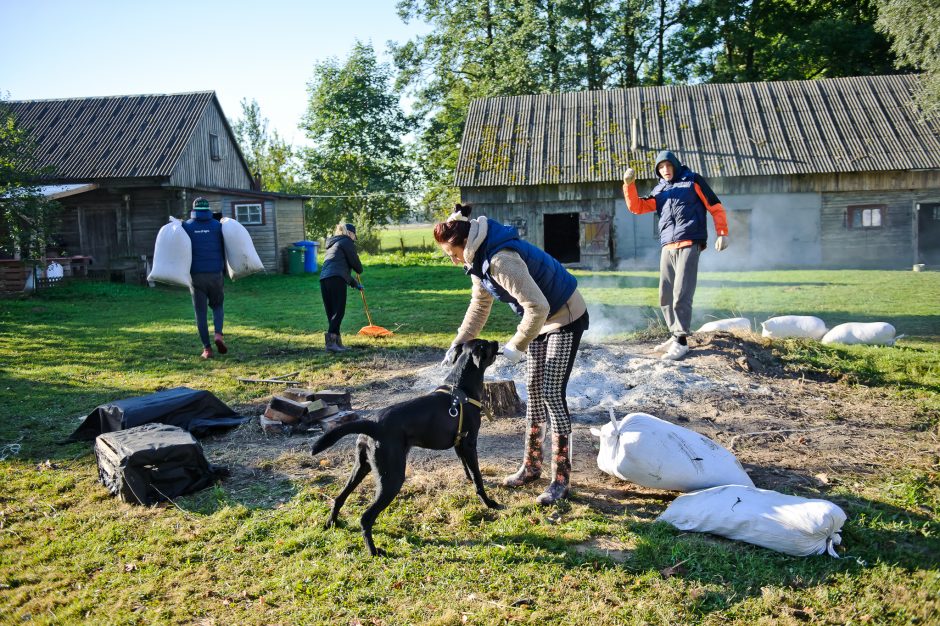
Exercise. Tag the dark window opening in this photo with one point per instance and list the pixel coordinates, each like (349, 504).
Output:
(563, 236)
(214, 147)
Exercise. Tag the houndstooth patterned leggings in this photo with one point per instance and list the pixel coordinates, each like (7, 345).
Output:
(549, 362)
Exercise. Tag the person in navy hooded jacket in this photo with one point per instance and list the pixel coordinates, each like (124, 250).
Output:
(205, 232)
(680, 199)
(553, 317)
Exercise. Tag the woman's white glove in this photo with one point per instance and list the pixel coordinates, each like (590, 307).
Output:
(512, 355)
(721, 243)
(449, 356)
(628, 176)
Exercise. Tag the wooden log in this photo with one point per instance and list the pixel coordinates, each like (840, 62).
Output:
(502, 400)
(273, 427)
(299, 395)
(285, 410)
(339, 397)
(326, 411)
(341, 417)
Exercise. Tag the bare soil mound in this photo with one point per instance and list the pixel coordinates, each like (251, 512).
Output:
(791, 433)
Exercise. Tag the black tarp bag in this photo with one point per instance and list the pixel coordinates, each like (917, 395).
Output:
(152, 463)
(194, 410)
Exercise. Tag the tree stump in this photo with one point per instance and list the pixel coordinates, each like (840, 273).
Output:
(502, 400)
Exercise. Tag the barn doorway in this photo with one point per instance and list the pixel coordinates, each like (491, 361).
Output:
(563, 236)
(928, 234)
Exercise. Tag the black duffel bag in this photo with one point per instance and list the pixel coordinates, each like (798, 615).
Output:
(152, 463)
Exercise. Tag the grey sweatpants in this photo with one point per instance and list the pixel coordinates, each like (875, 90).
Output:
(207, 293)
(678, 274)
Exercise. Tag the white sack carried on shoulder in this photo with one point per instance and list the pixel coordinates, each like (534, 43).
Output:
(654, 453)
(730, 324)
(788, 524)
(172, 256)
(870, 333)
(241, 259)
(798, 326)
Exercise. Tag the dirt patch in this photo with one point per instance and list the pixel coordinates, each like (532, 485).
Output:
(791, 434)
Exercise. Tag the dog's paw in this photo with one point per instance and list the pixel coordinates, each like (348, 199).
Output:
(493, 504)
(330, 523)
(378, 552)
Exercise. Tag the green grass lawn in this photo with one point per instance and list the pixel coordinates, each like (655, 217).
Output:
(408, 238)
(69, 553)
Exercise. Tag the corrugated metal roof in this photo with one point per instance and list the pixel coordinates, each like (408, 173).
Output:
(851, 124)
(111, 137)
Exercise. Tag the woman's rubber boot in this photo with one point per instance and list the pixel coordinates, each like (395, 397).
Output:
(339, 343)
(561, 471)
(330, 340)
(531, 468)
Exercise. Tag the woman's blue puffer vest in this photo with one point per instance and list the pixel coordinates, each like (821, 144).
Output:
(555, 282)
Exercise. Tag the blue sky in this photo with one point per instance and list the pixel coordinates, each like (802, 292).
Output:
(263, 50)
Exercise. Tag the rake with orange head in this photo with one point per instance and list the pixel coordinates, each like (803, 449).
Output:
(371, 330)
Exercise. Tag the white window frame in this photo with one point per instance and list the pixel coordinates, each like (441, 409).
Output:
(873, 213)
(249, 217)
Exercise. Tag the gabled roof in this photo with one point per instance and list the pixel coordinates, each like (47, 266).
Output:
(139, 136)
(852, 124)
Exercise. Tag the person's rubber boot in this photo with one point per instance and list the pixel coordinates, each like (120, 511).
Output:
(531, 468)
(330, 340)
(339, 343)
(561, 471)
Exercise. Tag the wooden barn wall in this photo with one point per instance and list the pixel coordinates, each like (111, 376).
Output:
(196, 167)
(789, 221)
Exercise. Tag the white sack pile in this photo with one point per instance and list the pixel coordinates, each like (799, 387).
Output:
(172, 256)
(788, 524)
(241, 259)
(655, 453)
(871, 333)
(795, 326)
(730, 324)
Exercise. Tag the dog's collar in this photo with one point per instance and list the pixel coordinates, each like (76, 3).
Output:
(459, 394)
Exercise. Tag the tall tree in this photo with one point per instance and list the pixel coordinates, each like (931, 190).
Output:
(268, 156)
(27, 219)
(752, 40)
(358, 165)
(914, 29)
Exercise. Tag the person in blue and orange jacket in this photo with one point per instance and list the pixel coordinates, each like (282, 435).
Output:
(680, 200)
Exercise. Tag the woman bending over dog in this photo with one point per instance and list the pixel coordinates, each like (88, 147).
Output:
(554, 316)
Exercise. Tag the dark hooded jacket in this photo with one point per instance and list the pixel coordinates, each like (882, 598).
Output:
(208, 246)
(341, 257)
(681, 212)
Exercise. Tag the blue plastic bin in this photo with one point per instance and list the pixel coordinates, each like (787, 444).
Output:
(310, 254)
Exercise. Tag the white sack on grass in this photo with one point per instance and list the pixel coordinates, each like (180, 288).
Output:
(870, 333)
(172, 256)
(241, 259)
(788, 524)
(730, 324)
(799, 326)
(655, 453)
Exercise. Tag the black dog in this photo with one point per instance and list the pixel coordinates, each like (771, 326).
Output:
(447, 417)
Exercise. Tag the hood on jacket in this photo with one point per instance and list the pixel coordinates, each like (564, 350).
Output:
(667, 155)
(335, 239)
(478, 230)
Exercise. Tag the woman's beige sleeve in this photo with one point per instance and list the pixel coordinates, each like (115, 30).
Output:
(481, 302)
(509, 270)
